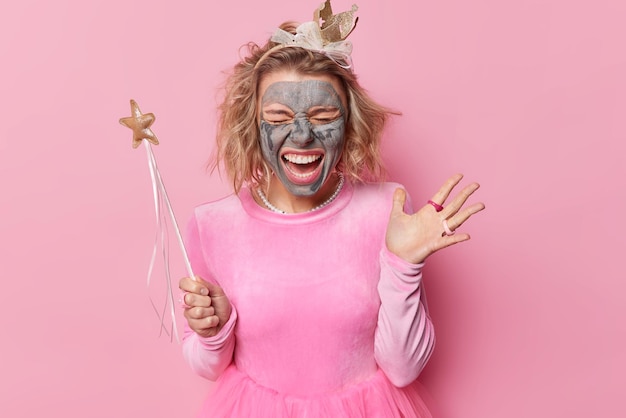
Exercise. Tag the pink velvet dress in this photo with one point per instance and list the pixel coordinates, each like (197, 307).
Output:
(326, 321)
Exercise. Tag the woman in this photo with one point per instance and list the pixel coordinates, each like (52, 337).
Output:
(309, 299)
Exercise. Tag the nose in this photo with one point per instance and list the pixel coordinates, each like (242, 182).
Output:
(301, 132)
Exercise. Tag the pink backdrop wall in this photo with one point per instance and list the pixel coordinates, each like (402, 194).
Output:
(527, 97)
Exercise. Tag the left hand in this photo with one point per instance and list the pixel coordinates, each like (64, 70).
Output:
(415, 237)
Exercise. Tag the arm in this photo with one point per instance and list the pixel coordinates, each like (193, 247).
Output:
(210, 356)
(405, 336)
(208, 347)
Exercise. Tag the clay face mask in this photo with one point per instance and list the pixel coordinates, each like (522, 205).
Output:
(302, 133)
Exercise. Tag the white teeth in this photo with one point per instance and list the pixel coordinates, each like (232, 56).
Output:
(301, 159)
(302, 176)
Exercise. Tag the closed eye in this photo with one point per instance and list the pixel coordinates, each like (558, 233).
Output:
(277, 116)
(323, 115)
(278, 121)
(322, 121)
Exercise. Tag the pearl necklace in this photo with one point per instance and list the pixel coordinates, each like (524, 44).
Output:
(332, 197)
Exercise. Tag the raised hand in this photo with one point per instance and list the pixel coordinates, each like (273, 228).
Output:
(206, 306)
(415, 237)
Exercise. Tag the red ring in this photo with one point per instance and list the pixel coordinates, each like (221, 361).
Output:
(437, 206)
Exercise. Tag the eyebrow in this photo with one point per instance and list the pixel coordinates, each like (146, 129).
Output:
(277, 112)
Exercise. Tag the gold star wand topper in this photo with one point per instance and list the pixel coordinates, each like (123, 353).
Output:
(140, 125)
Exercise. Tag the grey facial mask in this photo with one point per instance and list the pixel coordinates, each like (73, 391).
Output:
(301, 133)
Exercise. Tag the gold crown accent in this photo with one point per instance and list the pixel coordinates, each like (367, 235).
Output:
(335, 28)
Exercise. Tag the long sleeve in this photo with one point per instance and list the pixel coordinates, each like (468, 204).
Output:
(405, 336)
(208, 357)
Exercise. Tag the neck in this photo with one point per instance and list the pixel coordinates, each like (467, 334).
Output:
(280, 198)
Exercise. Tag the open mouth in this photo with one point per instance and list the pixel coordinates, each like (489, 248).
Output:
(302, 168)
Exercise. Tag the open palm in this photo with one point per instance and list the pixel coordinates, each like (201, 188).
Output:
(415, 237)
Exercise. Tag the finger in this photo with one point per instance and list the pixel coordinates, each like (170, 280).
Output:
(447, 241)
(445, 190)
(181, 301)
(199, 312)
(463, 215)
(214, 290)
(460, 199)
(204, 323)
(197, 286)
(399, 200)
(192, 299)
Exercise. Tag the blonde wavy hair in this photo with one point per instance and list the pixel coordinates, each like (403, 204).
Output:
(238, 148)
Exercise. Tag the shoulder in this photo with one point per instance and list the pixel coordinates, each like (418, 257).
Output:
(374, 197)
(379, 195)
(376, 191)
(227, 206)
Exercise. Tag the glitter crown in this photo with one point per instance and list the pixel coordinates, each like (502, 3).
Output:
(335, 28)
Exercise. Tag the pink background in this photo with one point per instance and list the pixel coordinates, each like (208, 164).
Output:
(526, 97)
